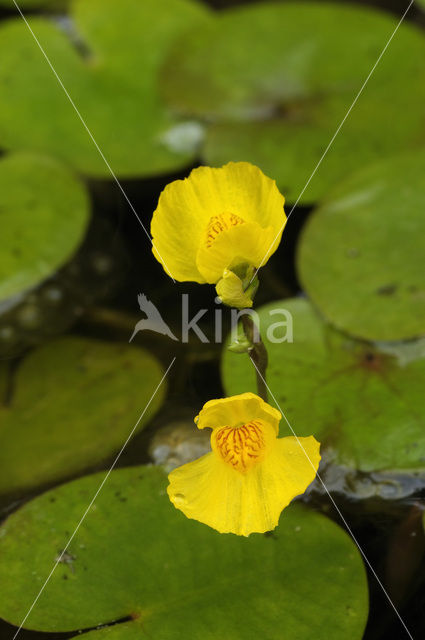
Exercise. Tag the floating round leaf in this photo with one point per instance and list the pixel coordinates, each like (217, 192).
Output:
(44, 211)
(74, 402)
(107, 58)
(54, 305)
(362, 403)
(277, 79)
(361, 255)
(135, 556)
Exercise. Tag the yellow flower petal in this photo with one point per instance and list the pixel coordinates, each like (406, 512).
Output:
(199, 212)
(242, 486)
(286, 473)
(249, 243)
(237, 410)
(211, 491)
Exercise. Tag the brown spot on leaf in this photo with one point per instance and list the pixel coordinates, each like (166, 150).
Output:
(387, 290)
(373, 361)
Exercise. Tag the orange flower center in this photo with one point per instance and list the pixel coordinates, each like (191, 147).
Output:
(220, 223)
(241, 447)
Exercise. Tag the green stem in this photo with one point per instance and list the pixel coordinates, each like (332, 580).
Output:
(257, 353)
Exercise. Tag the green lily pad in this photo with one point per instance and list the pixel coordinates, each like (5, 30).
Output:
(136, 556)
(44, 212)
(74, 403)
(361, 402)
(107, 58)
(361, 255)
(276, 80)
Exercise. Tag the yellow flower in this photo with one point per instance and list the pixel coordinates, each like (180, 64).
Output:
(217, 220)
(250, 476)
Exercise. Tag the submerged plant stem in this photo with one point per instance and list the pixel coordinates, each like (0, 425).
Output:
(257, 353)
